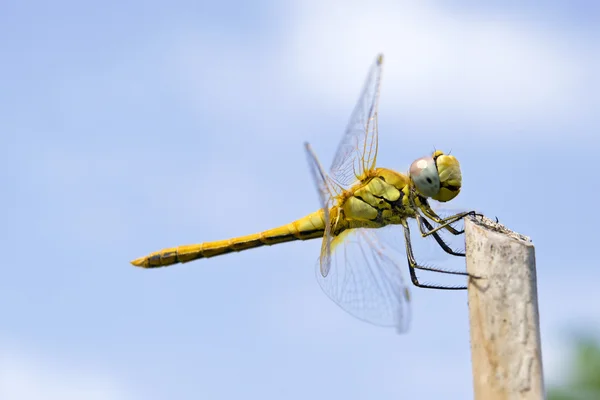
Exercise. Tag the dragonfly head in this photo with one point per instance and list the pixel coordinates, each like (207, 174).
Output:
(437, 176)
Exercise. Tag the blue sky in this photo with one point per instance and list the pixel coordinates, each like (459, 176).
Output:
(129, 128)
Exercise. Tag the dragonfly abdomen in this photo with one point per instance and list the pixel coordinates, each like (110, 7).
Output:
(309, 227)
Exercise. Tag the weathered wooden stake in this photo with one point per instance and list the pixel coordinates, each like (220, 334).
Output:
(503, 313)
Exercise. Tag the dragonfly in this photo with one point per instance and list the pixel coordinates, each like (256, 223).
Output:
(358, 201)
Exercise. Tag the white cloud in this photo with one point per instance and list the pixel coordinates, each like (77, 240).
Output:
(470, 66)
(31, 377)
(503, 71)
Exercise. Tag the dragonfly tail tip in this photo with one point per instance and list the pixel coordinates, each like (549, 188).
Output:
(140, 262)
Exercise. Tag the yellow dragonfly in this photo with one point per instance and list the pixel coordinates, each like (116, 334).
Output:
(357, 201)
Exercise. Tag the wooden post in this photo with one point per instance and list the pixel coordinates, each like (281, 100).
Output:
(503, 313)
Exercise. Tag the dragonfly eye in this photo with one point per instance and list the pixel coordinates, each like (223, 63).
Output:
(450, 176)
(424, 174)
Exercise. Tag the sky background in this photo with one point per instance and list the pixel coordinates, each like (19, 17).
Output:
(127, 127)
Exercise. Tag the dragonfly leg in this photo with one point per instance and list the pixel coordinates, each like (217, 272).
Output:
(429, 213)
(412, 263)
(446, 222)
(423, 222)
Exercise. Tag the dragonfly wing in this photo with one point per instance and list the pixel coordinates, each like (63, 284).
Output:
(326, 199)
(366, 281)
(357, 152)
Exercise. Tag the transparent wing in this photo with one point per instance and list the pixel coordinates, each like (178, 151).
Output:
(357, 152)
(326, 200)
(366, 280)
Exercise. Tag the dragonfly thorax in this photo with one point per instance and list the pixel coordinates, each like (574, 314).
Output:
(379, 200)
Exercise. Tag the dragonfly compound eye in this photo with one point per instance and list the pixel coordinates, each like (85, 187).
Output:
(424, 174)
(450, 176)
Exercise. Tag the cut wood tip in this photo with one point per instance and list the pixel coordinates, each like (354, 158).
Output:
(495, 226)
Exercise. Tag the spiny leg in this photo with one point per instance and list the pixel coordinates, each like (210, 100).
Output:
(423, 221)
(429, 213)
(445, 223)
(412, 264)
(438, 220)
(440, 241)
